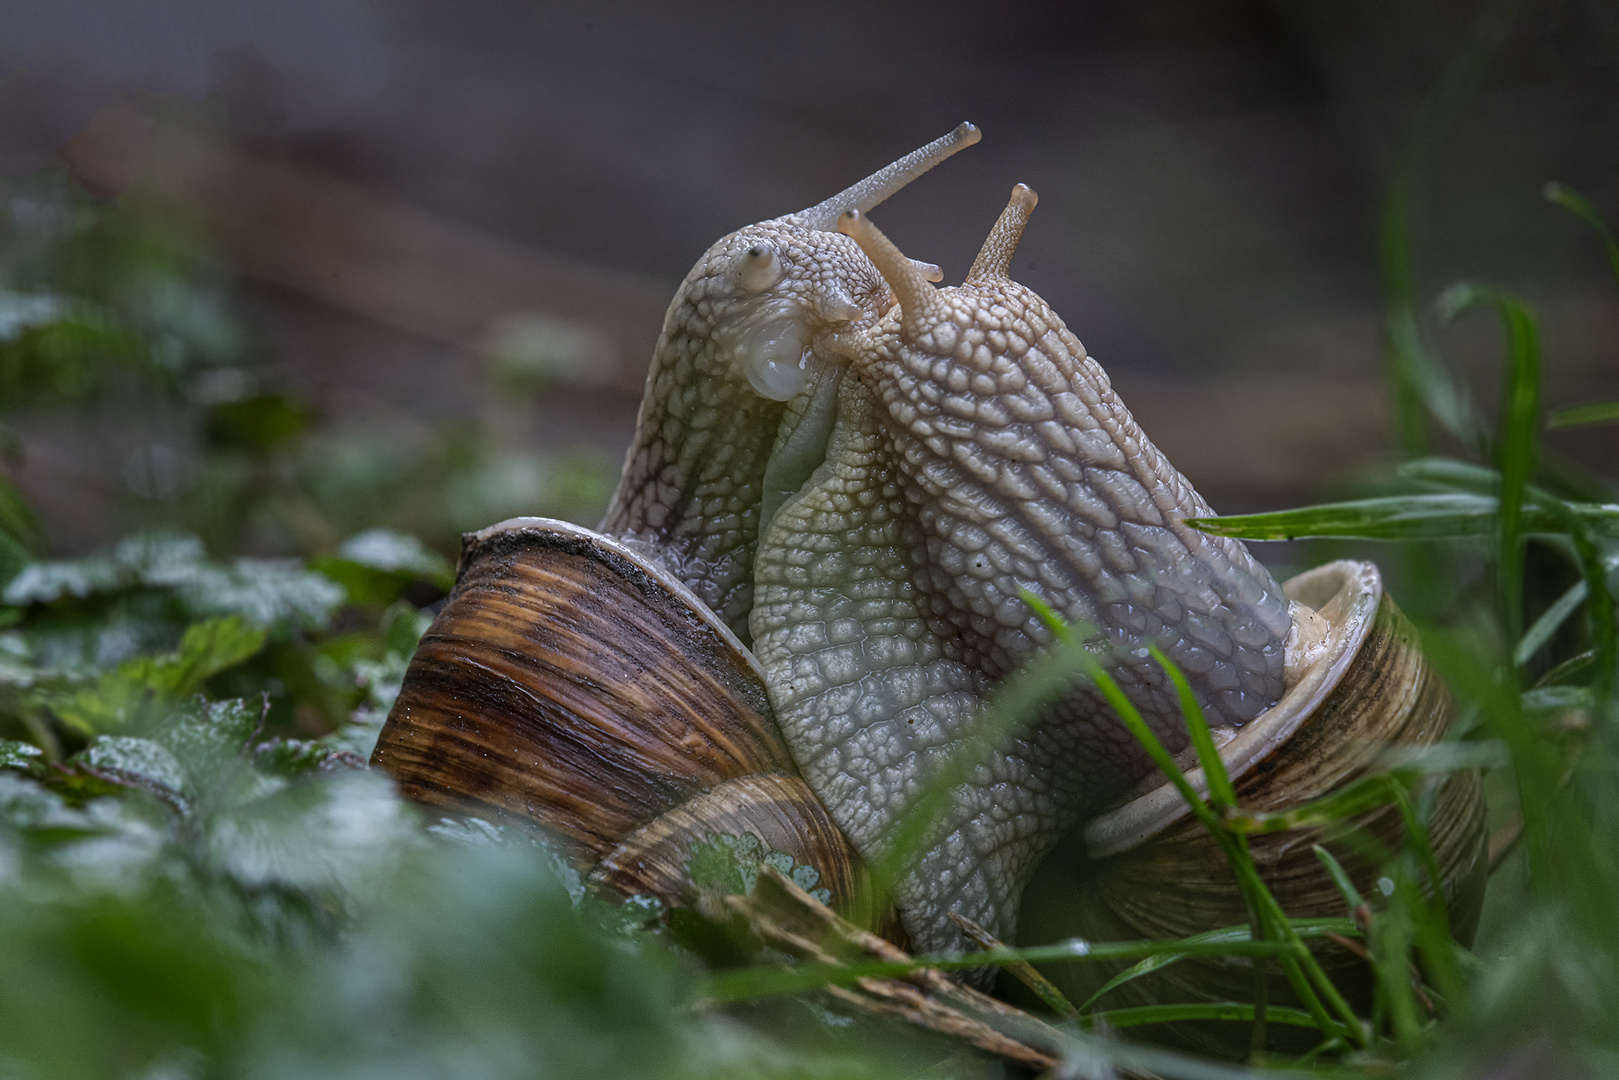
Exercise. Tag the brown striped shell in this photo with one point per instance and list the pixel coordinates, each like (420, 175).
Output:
(570, 683)
(1158, 874)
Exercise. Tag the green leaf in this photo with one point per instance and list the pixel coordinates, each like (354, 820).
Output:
(256, 424)
(1453, 473)
(320, 835)
(1573, 668)
(45, 582)
(138, 689)
(13, 558)
(267, 592)
(1558, 699)
(729, 865)
(376, 566)
(27, 311)
(19, 755)
(206, 649)
(209, 738)
(27, 804)
(139, 761)
(726, 865)
(386, 550)
(17, 520)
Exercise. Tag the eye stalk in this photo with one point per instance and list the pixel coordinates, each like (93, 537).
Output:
(757, 268)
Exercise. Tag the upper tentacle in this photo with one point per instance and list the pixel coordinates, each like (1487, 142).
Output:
(885, 181)
(919, 301)
(994, 262)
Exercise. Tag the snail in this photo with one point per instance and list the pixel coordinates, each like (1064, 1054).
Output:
(843, 483)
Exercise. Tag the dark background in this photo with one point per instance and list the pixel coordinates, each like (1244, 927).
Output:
(406, 195)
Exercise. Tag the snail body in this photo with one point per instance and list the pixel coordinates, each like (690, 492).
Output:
(842, 483)
(979, 455)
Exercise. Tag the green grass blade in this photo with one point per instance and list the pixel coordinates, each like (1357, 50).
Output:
(1135, 1016)
(1581, 207)
(1367, 793)
(1306, 928)
(1340, 878)
(1599, 612)
(1515, 439)
(755, 983)
(1395, 517)
(1391, 950)
(1419, 378)
(1426, 910)
(1297, 963)
(1136, 971)
(1573, 668)
(1452, 473)
(1537, 764)
(1605, 412)
(1448, 756)
(1311, 984)
(1558, 699)
(1406, 517)
(1131, 716)
(1221, 792)
(1417, 834)
(1550, 621)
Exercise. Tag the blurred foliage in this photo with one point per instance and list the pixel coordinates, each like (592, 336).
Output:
(109, 312)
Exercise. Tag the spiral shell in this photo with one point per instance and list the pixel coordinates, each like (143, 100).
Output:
(572, 684)
(1159, 874)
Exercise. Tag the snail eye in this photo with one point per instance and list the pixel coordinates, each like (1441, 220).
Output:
(757, 268)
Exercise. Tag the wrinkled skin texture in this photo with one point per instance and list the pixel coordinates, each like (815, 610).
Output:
(871, 534)
(695, 475)
(978, 452)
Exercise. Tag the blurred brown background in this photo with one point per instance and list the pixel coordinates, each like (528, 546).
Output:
(415, 200)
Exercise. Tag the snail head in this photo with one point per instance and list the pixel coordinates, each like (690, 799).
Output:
(742, 355)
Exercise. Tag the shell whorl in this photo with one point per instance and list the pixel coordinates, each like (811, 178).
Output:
(568, 683)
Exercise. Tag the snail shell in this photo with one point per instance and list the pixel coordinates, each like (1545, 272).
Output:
(571, 684)
(1159, 874)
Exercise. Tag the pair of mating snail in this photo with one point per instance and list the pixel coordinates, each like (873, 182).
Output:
(810, 579)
